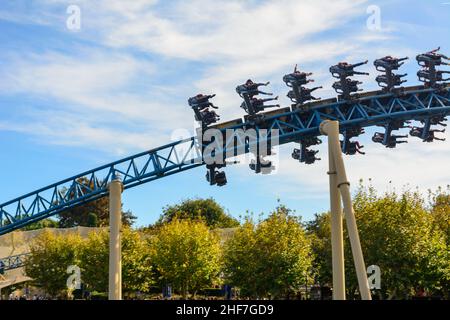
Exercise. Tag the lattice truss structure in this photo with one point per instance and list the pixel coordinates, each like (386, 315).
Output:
(12, 262)
(392, 108)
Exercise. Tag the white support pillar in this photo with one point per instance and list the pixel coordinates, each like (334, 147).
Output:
(115, 248)
(337, 238)
(331, 129)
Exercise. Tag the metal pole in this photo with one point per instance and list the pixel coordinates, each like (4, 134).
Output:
(115, 254)
(337, 238)
(331, 128)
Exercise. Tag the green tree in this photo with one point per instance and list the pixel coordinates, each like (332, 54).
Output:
(207, 210)
(319, 231)
(46, 223)
(92, 220)
(50, 256)
(82, 215)
(440, 211)
(272, 258)
(397, 234)
(94, 258)
(137, 272)
(186, 255)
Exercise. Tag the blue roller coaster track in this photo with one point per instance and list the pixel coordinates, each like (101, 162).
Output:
(12, 262)
(385, 108)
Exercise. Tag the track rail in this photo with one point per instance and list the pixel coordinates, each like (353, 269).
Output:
(12, 262)
(370, 109)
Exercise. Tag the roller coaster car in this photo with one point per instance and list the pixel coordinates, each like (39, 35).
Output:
(344, 69)
(201, 104)
(257, 105)
(207, 117)
(305, 95)
(297, 78)
(390, 81)
(390, 141)
(440, 76)
(425, 134)
(432, 59)
(253, 105)
(296, 154)
(389, 63)
(347, 85)
(260, 165)
(251, 89)
(427, 75)
(220, 178)
(216, 177)
(299, 94)
(292, 97)
(310, 156)
(305, 155)
(351, 147)
(378, 137)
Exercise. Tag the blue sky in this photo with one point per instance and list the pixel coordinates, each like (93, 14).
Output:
(74, 100)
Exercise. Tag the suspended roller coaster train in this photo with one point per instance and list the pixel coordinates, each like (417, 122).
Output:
(392, 108)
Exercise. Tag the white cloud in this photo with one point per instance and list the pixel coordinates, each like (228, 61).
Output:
(232, 29)
(72, 130)
(92, 100)
(236, 38)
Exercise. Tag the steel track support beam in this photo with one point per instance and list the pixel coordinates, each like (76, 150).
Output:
(337, 238)
(115, 247)
(340, 190)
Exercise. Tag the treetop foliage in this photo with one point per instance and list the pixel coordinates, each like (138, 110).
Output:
(207, 210)
(186, 254)
(403, 233)
(400, 234)
(272, 258)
